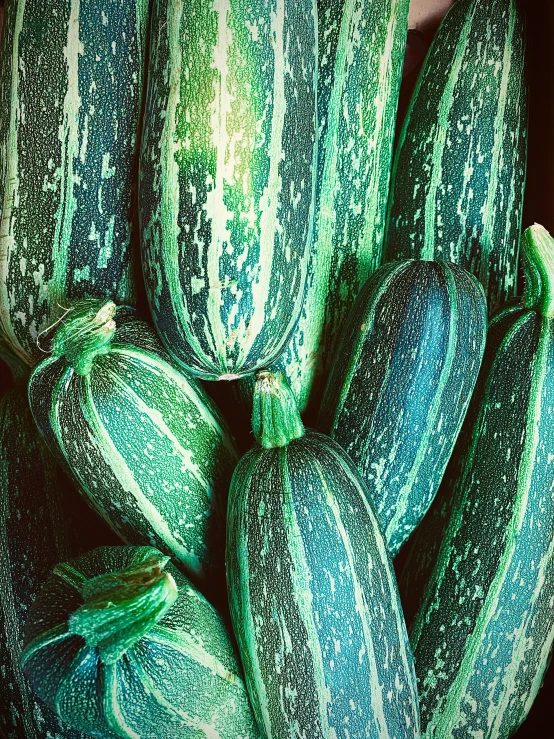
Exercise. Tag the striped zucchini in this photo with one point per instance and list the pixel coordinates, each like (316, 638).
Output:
(401, 384)
(485, 627)
(228, 178)
(144, 443)
(71, 81)
(120, 644)
(312, 592)
(361, 50)
(41, 520)
(459, 171)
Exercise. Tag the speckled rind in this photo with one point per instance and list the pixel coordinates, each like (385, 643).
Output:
(313, 598)
(181, 680)
(144, 443)
(459, 172)
(36, 530)
(361, 52)
(484, 629)
(227, 180)
(71, 83)
(402, 381)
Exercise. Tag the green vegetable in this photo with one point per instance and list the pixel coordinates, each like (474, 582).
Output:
(120, 644)
(71, 81)
(459, 171)
(361, 51)
(401, 384)
(144, 443)
(485, 626)
(312, 592)
(228, 178)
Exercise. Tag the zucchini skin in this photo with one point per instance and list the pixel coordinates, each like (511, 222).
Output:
(459, 171)
(401, 384)
(227, 180)
(68, 158)
(41, 520)
(315, 625)
(144, 443)
(361, 52)
(484, 628)
(180, 680)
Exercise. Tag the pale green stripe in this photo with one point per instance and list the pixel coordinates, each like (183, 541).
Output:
(404, 502)
(11, 195)
(112, 709)
(439, 144)
(46, 639)
(446, 721)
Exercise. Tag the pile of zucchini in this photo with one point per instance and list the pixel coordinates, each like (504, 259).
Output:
(270, 350)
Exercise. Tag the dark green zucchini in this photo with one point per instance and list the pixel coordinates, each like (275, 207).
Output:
(459, 172)
(484, 630)
(71, 81)
(144, 443)
(120, 644)
(401, 384)
(312, 591)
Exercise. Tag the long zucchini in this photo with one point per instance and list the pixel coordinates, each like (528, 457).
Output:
(459, 172)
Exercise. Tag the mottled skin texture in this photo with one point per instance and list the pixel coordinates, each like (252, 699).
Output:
(484, 628)
(401, 384)
(181, 680)
(361, 50)
(67, 157)
(228, 177)
(313, 598)
(459, 172)
(145, 445)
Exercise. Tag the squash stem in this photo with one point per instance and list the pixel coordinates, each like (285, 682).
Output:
(538, 264)
(121, 607)
(275, 417)
(85, 333)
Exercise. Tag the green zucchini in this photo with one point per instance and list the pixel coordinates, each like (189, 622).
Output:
(227, 178)
(144, 443)
(459, 171)
(312, 592)
(401, 384)
(120, 644)
(71, 81)
(485, 626)
(41, 520)
(361, 51)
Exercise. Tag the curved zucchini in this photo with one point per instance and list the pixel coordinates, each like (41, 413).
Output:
(228, 178)
(484, 630)
(401, 384)
(459, 172)
(71, 83)
(144, 443)
(312, 592)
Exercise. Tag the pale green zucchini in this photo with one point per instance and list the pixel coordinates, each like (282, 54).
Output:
(144, 443)
(71, 80)
(484, 630)
(361, 51)
(227, 178)
(312, 593)
(120, 644)
(459, 172)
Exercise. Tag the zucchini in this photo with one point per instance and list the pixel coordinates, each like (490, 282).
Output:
(401, 384)
(227, 178)
(361, 51)
(459, 171)
(68, 157)
(485, 626)
(312, 593)
(144, 443)
(40, 521)
(120, 644)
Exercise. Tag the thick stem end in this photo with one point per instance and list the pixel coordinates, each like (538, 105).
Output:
(538, 265)
(275, 417)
